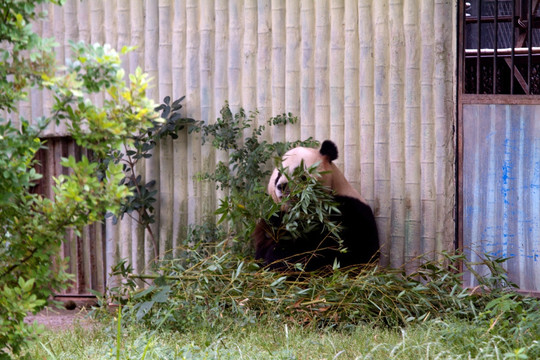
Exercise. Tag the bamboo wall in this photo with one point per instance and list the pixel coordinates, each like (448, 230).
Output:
(375, 76)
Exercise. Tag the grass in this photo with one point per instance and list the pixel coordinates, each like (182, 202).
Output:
(274, 340)
(219, 308)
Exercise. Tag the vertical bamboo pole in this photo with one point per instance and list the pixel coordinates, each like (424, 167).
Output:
(117, 34)
(278, 68)
(151, 49)
(96, 33)
(250, 44)
(412, 131)
(179, 145)
(336, 81)
(366, 93)
(236, 20)
(264, 61)
(444, 122)
(193, 93)
(83, 18)
(322, 94)
(123, 228)
(71, 26)
(98, 263)
(123, 29)
(396, 132)
(59, 33)
(381, 129)
(47, 32)
(206, 63)
(221, 54)
(36, 97)
(109, 23)
(96, 21)
(351, 148)
(292, 65)
(427, 195)
(136, 59)
(307, 72)
(166, 183)
(227, 49)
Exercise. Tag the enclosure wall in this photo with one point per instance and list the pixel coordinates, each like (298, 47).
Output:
(375, 76)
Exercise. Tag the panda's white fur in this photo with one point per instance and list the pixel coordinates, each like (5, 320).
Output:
(359, 230)
(332, 177)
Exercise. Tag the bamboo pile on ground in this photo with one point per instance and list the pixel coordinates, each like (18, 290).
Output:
(222, 285)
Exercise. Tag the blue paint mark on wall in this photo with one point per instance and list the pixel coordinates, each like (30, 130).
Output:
(501, 188)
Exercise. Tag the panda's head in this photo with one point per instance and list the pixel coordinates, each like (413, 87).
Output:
(330, 175)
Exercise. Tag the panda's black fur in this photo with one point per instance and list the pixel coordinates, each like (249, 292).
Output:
(316, 250)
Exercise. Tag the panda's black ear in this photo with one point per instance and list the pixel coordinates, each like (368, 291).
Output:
(329, 149)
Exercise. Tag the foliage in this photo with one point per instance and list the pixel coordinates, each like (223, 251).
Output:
(272, 339)
(243, 177)
(310, 206)
(139, 147)
(24, 56)
(223, 288)
(32, 226)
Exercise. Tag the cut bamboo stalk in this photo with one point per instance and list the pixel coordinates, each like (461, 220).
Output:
(36, 95)
(307, 72)
(97, 34)
(444, 120)
(292, 65)
(136, 18)
(351, 149)
(336, 80)
(136, 59)
(122, 31)
(83, 20)
(264, 61)
(227, 49)
(366, 94)
(383, 211)
(278, 65)
(249, 69)
(396, 132)
(165, 178)
(109, 23)
(322, 93)
(206, 62)
(412, 134)
(181, 180)
(235, 40)
(151, 48)
(193, 94)
(427, 196)
(47, 32)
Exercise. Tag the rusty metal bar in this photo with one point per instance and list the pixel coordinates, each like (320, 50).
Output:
(495, 46)
(513, 47)
(529, 42)
(478, 67)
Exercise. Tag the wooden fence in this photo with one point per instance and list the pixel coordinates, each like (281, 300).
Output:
(375, 76)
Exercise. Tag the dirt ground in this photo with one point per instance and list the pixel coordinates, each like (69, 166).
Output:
(61, 319)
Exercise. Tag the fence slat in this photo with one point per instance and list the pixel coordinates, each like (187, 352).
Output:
(374, 76)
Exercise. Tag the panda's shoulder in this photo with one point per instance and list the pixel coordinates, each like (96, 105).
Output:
(350, 204)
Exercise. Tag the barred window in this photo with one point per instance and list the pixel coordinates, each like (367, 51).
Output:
(501, 47)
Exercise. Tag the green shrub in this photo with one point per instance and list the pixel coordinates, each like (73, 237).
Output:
(244, 176)
(33, 227)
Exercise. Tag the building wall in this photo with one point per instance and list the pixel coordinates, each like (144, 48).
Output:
(375, 76)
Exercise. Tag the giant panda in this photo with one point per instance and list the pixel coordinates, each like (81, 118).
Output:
(359, 231)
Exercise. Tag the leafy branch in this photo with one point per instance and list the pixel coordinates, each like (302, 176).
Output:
(140, 147)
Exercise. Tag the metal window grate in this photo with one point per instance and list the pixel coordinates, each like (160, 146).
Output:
(502, 47)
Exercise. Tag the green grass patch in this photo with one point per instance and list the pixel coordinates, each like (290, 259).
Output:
(269, 339)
